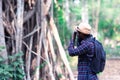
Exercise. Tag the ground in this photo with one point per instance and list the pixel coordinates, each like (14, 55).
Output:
(111, 72)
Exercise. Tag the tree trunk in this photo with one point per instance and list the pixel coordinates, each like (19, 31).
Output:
(61, 50)
(95, 15)
(19, 28)
(85, 11)
(43, 51)
(19, 25)
(39, 14)
(67, 13)
(3, 52)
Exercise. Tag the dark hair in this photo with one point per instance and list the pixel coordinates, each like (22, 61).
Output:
(86, 35)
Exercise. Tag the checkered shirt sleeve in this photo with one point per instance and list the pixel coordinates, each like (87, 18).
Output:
(81, 49)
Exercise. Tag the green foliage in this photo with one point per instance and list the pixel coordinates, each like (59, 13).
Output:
(1, 48)
(75, 12)
(109, 18)
(12, 70)
(60, 21)
(108, 25)
(60, 75)
(112, 52)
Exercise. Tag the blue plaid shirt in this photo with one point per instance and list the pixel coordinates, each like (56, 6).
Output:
(84, 51)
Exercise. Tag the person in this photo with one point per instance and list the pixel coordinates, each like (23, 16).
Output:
(84, 51)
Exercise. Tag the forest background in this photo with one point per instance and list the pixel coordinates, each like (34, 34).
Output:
(103, 16)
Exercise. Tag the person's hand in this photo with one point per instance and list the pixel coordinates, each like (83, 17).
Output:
(74, 34)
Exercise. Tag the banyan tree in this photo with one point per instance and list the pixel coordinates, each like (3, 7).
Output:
(28, 26)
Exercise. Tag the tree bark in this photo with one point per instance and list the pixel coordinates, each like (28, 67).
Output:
(3, 53)
(51, 46)
(45, 42)
(28, 61)
(95, 15)
(67, 13)
(32, 28)
(84, 11)
(39, 36)
(19, 25)
(61, 50)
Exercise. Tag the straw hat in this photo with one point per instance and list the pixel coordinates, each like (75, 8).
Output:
(84, 28)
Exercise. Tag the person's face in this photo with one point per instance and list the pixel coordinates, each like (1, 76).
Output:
(80, 35)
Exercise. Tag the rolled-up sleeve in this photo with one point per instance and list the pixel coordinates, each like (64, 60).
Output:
(81, 49)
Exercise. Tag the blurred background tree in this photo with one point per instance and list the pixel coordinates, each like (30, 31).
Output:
(103, 15)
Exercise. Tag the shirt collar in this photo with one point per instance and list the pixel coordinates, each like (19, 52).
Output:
(86, 39)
